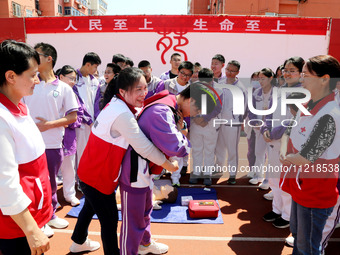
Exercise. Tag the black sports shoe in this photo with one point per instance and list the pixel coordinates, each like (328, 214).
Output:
(281, 223)
(231, 180)
(271, 216)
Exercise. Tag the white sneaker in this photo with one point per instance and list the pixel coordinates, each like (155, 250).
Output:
(264, 185)
(73, 201)
(290, 241)
(88, 245)
(47, 230)
(269, 196)
(255, 180)
(154, 248)
(59, 180)
(58, 223)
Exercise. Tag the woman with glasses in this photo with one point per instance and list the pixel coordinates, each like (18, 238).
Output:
(272, 133)
(312, 156)
(68, 75)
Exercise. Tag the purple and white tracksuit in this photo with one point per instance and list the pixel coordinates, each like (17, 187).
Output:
(158, 123)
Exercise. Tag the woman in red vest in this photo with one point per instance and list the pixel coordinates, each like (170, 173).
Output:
(312, 156)
(25, 189)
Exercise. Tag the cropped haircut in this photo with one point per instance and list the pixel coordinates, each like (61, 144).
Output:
(195, 92)
(15, 56)
(219, 57)
(116, 58)
(49, 50)
(298, 62)
(92, 58)
(175, 54)
(235, 63)
(129, 62)
(186, 65)
(144, 63)
(206, 74)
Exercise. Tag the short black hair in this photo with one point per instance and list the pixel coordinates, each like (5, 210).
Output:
(196, 90)
(116, 58)
(92, 58)
(144, 63)
(175, 54)
(219, 57)
(49, 50)
(15, 56)
(295, 95)
(206, 74)
(115, 68)
(235, 63)
(298, 62)
(129, 62)
(186, 65)
(270, 74)
(66, 69)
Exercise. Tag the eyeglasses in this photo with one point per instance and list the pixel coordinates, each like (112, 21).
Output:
(185, 75)
(71, 78)
(230, 71)
(289, 71)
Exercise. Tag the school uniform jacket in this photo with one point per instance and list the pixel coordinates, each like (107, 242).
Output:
(24, 178)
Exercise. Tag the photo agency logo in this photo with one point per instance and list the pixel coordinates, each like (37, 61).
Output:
(280, 98)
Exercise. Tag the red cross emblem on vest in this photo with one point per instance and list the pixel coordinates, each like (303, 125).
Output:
(303, 129)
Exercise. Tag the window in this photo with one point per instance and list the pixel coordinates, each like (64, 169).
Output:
(60, 9)
(16, 9)
(67, 10)
(29, 13)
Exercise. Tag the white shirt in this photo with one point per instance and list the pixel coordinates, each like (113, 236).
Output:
(52, 101)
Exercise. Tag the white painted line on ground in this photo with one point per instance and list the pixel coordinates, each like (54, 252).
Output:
(202, 238)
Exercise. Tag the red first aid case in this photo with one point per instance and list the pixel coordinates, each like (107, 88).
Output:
(203, 209)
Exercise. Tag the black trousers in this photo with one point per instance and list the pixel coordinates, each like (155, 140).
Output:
(105, 207)
(16, 246)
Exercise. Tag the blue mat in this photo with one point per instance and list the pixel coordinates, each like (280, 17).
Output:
(172, 213)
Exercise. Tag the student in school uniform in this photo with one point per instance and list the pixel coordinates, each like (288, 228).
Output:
(159, 124)
(88, 91)
(53, 106)
(229, 134)
(153, 81)
(175, 61)
(176, 86)
(203, 135)
(217, 64)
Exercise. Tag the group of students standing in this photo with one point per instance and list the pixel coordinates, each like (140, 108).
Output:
(99, 130)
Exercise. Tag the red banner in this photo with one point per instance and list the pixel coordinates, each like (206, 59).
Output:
(12, 28)
(165, 24)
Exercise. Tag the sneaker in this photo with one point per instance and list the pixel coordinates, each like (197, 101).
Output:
(73, 201)
(281, 223)
(88, 245)
(207, 181)
(176, 184)
(264, 185)
(271, 216)
(255, 180)
(193, 180)
(268, 196)
(157, 177)
(231, 180)
(47, 230)
(154, 248)
(337, 225)
(290, 241)
(58, 223)
(58, 205)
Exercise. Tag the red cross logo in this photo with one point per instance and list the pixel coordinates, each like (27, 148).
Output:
(303, 129)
